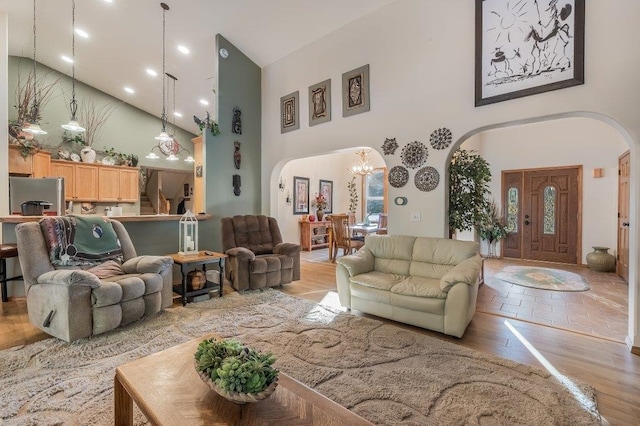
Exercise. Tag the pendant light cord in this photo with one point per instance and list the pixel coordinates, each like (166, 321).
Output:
(34, 108)
(73, 105)
(163, 118)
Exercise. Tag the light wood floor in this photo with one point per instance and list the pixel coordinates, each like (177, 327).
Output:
(605, 364)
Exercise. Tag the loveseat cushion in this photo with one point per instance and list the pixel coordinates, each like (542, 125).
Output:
(379, 280)
(419, 287)
(391, 253)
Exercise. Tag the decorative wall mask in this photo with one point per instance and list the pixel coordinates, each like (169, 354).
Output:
(440, 138)
(236, 185)
(414, 155)
(389, 146)
(236, 124)
(427, 179)
(237, 157)
(398, 176)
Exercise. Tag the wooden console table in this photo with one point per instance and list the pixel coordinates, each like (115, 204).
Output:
(314, 234)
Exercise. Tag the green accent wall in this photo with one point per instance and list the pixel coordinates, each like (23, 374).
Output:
(128, 130)
(239, 85)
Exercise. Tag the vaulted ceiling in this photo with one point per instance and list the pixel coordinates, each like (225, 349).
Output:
(125, 39)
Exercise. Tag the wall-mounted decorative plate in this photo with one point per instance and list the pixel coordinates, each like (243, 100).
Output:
(398, 176)
(427, 179)
(414, 155)
(389, 146)
(440, 138)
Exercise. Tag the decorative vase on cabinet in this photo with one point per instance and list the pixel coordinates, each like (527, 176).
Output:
(88, 155)
(601, 260)
(320, 215)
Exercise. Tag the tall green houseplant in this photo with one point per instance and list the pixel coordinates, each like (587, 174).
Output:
(469, 177)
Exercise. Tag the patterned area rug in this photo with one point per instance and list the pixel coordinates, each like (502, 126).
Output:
(384, 373)
(542, 278)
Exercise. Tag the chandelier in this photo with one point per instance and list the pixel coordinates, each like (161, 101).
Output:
(73, 125)
(33, 126)
(361, 166)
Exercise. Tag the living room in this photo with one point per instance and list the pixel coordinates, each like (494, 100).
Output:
(421, 61)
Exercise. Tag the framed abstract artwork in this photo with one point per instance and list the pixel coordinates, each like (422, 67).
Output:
(355, 91)
(300, 195)
(326, 189)
(320, 103)
(290, 112)
(527, 47)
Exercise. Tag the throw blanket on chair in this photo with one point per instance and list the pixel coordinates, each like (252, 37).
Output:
(80, 241)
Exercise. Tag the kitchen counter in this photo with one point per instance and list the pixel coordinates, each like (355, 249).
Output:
(16, 218)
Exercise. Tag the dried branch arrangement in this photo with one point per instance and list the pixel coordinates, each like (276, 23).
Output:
(93, 117)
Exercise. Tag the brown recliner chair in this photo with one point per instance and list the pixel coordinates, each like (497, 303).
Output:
(257, 256)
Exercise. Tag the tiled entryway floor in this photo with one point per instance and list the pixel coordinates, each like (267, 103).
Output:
(601, 311)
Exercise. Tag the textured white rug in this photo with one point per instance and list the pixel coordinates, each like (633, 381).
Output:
(384, 373)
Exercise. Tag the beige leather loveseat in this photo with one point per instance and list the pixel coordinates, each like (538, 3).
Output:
(427, 282)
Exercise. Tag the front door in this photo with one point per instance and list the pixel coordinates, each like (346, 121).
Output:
(622, 266)
(543, 217)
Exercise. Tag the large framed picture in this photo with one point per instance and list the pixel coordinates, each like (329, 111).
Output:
(355, 91)
(527, 47)
(326, 189)
(300, 195)
(290, 112)
(320, 103)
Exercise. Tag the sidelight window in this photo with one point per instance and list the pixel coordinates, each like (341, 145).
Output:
(512, 210)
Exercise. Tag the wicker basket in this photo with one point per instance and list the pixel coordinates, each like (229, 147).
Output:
(239, 397)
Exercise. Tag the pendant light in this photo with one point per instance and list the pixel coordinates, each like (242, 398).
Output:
(33, 126)
(173, 157)
(163, 136)
(73, 125)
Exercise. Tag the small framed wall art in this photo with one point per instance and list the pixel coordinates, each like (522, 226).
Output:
(326, 190)
(320, 103)
(355, 91)
(300, 195)
(290, 112)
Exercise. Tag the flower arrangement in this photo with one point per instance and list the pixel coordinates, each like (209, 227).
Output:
(319, 202)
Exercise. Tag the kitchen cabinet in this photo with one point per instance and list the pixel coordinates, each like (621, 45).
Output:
(314, 234)
(80, 180)
(36, 165)
(118, 184)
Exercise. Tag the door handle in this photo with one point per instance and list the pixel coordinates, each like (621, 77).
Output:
(526, 222)
(625, 224)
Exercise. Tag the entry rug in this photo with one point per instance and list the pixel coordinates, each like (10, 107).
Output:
(384, 373)
(542, 278)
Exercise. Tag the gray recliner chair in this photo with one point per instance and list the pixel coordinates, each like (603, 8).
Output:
(91, 296)
(258, 257)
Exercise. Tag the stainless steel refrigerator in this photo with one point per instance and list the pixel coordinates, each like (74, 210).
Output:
(23, 189)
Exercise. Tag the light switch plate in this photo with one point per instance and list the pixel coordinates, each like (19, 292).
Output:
(415, 217)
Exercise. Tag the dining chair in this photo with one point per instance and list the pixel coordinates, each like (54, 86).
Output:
(342, 236)
(382, 224)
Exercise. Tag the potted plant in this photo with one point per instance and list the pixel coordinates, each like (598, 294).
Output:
(492, 228)
(234, 371)
(93, 118)
(469, 177)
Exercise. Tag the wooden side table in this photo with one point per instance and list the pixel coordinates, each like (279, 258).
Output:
(188, 261)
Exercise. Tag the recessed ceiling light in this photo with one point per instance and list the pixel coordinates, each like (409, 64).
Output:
(177, 114)
(67, 59)
(204, 102)
(82, 33)
(183, 49)
(109, 1)
(151, 72)
(129, 90)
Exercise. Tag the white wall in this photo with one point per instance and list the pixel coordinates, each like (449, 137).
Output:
(421, 59)
(333, 167)
(574, 141)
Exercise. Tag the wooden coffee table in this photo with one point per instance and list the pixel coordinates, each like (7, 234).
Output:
(167, 389)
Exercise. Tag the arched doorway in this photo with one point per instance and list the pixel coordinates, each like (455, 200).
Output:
(599, 202)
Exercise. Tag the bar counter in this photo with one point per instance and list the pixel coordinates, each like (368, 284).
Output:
(16, 218)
